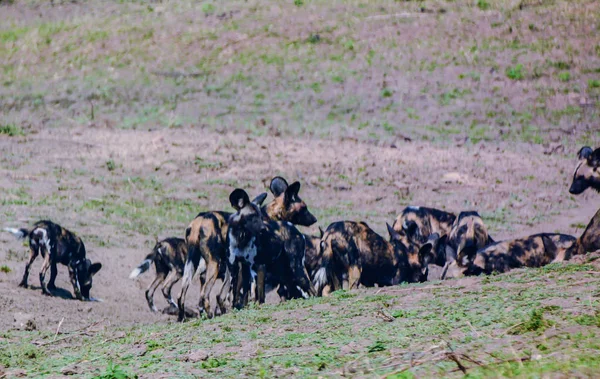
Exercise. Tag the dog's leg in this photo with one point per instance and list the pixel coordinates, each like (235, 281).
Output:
(225, 288)
(74, 283)
(33, 253)
(53, 273)
(260, 283)
(336, 283)
(353, 277)
(212, 272)
(45, 267)
(160, 277)
(172, 278)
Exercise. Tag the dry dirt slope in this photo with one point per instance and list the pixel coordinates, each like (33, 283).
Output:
(118, 189)
(123, 119)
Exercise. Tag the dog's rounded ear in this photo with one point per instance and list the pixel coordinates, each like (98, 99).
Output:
(321, 232)
(94, 268)
(411, 229)
(394, 236)
(239, 199)
(594, 158)
(585, 152)
(292, 191)
(278, 186)
(426, 254)
(549, 245)
(260, 199)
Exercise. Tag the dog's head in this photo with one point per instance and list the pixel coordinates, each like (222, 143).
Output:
(418, 256)
(468, 235)
(247, 221)
(85, 270)
(587, 173)
(287, 205)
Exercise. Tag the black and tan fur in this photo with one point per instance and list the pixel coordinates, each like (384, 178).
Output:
(206, 239)
(587, 175)
(534, 251)
(587, 172)
(273, 247)
(287, 204)
(468, 235)
(354, 250)
(58, 245)
(589, 241)
(418, 223)
(169, 256)
(313, 257)
(208, 234)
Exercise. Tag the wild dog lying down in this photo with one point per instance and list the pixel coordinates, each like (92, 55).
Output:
(353, 248)
(58, 245)
(587, 173)
(207, 234)
(418, 223)
(169, 256)
(534, 251)
(467, 236)
(264, 246)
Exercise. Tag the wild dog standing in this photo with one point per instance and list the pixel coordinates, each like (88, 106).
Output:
(288, 206)
(418, 223)
(168, 256)
(587, 173)
(367, 258)
(58, 245)
(313, 257)
(276, 248)
(534, 251)
(208, 233)
(206, 238)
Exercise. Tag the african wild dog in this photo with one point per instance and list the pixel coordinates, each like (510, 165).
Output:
(313, 257)
(208, 234)
(467, 236)
(354, 249)
(287, 205)
(587, 173)
(169, 256)
(58, 245)
(534, 251)
(206, 238)
(418, 223)
(589, 241)
(273, 247)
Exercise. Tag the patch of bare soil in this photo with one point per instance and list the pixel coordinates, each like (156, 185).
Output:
(63, 171)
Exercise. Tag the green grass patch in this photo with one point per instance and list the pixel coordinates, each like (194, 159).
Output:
(11, 130)
(516, 72)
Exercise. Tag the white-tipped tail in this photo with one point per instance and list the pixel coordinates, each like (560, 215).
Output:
(188, 273)
(139, 270)
(304, 294)
(201, 268)
(19, 233)
(320, 279)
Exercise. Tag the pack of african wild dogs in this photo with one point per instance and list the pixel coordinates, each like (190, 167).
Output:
(240, 254)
